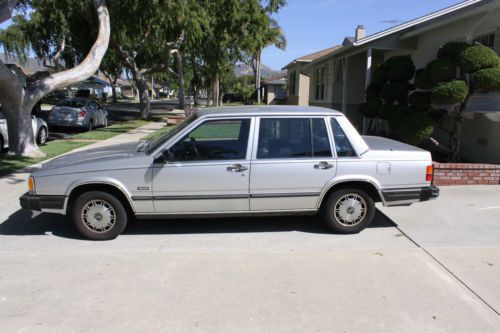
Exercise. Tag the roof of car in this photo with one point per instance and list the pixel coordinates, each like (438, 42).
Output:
(266, 110)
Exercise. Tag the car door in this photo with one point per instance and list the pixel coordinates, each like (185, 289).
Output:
(291, 162)
(206, 171)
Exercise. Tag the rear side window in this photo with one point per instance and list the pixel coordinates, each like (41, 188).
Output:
(342, 145)
(293, 138)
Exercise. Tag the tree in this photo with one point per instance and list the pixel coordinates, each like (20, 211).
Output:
(18, 100)
(112, 68)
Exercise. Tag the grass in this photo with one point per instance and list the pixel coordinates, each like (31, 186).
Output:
(10, 163)
(156, 134)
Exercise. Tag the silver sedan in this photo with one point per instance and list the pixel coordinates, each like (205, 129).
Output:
(78, 112)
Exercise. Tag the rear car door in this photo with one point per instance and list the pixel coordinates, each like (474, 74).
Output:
(207, 170)
(291, 162)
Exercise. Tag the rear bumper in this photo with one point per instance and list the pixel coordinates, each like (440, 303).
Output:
(406, 196)
(44, 203)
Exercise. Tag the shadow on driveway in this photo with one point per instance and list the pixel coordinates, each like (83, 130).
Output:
(22, 224)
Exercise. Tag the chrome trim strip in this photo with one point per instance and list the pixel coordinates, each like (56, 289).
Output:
(284, 195)
(225, 196)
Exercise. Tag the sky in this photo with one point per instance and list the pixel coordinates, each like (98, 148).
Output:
(313, 25)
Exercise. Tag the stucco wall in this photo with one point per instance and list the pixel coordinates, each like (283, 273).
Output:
(301, 96)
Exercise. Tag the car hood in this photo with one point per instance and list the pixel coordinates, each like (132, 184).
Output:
(103, 158)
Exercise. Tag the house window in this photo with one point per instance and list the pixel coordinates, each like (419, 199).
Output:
(486, 40)
(320, 84)
(293, 82)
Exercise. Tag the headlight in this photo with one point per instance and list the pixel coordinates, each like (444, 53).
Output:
(31, 185)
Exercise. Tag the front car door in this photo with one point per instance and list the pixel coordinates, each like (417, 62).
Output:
(292, 161)
(207, 170)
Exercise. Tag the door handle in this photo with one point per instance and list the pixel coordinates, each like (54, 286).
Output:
(323, 166)
(236, 168)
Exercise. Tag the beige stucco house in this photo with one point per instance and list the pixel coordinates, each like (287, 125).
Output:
(339, 78)
(298, 79)
(274, 89)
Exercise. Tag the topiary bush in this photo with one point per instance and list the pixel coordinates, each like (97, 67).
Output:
(452, 50)
(452, 92)
(416, 127)
(442, 70)
(371, 108)
(420, 101)
(423, 79)
(487, 79)
(402, 69)
(393, 91)
(477, 57)
(388, 110)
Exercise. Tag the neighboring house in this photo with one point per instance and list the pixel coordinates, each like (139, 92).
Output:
(274, 89)
(338, 79)
(298, 80)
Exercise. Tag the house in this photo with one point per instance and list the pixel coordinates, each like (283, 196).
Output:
(274, 89)
(298, 79)
(338, 79)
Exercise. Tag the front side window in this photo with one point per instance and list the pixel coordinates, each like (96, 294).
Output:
(213, 140)
(343, 146)
(292, 138)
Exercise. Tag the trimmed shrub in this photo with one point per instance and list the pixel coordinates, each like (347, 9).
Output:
(389, 63)
(477, 57)
(423, 79)
(371, 108)
(442, 70)
(397, 117)
(420, 101)
(416, 127)
(487, 79)
(380, 75)
(394, 92)
(451, 50)
(449, 93)
(388, 110)
(402, 70)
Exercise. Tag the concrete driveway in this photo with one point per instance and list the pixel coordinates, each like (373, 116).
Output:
(432, 267)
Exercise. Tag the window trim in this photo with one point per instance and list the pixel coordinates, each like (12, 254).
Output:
(197, 124)
(291, 159)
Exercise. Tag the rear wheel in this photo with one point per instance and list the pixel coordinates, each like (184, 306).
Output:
(99, 215)
(41, 137)
(348, 211)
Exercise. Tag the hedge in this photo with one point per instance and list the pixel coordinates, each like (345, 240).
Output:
(451, 50)
(452, 92)
(487, 79)
(442, 70)
(477, 57)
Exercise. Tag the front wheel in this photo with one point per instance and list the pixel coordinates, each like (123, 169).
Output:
(41, 137)
(99, 215)
(348, 211)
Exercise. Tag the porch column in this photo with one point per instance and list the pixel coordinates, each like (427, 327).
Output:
(368, 76)
(345, 75)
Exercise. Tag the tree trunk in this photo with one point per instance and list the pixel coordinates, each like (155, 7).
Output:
(113, 91)
(180, 72)
(144, 103)
(18, 101)
(215, 91)
(257, 73)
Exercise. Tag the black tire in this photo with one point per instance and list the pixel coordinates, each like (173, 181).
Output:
(347, 201)
(42, 135)
(1, 144)
(99, 202)
(91, 126)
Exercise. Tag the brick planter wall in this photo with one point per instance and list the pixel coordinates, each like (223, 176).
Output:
(466, 174)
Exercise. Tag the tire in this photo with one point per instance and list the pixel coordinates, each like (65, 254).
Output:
(1, 144)
(41, 137)
(91, 126)
(100, 207)
(348, 211)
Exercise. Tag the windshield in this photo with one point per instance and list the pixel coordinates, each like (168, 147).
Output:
(73, 103)
(157, 142)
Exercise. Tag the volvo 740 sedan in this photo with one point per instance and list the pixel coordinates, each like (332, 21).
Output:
(241, 161)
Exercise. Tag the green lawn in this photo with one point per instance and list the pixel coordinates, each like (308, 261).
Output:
(9, 164)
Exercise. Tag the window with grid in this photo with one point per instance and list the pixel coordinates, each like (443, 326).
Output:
(320, 84)
(486, 40)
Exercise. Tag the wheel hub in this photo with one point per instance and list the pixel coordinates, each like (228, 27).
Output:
(98, 216)
(350, 210)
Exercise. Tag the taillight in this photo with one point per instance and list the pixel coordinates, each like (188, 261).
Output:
(82, 113)
(428, 173)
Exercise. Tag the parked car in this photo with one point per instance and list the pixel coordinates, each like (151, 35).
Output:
(40, 131)
(78, 112)
(242, 161)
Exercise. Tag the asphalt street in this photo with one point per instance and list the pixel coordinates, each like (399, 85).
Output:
(431, 267)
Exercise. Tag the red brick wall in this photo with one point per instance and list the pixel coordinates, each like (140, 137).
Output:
(466, 174)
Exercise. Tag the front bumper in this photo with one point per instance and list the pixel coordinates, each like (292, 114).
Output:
(49, 203)
(406, 196)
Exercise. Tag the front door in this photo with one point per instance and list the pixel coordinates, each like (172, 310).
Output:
(291, 164)
(207, 170)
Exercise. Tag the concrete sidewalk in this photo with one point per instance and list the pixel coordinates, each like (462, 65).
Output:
(14, 185)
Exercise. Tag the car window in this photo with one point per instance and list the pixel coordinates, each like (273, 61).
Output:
(321, 142)
(74, 103)
(343, 146)
(291, 138)
(214, 140)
